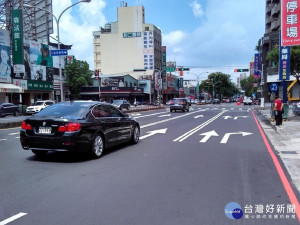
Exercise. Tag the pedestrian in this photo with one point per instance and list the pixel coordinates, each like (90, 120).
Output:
(278, 105)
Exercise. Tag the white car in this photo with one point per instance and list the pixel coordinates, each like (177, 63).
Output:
(247, 101)
(38, 106)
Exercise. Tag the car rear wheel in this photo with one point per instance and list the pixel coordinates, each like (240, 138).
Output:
(135, 135)
(97, 146)
(39, 152)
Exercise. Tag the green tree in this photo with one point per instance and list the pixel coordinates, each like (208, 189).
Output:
(77, 76)
(258, 46)
(221, 84)
(247, 85)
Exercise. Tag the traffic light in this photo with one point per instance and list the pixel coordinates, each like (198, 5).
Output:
(182, 69)
(241, 70)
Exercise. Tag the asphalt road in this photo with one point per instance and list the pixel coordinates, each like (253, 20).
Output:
(188, 168)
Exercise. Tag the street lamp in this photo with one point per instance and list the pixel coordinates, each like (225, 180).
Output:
(58, 41)
(198, 79)
(159, 80)
(262, 99)
(213, 85)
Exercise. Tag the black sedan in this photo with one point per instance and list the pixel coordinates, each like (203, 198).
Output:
(83, 126)
(121, 104)
(8, 109)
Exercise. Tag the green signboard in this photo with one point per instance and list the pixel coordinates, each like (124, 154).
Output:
(39, 85)
(132, 34)
(17, 36)
(170, 69)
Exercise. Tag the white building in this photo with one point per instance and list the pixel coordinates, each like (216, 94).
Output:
(128, 46)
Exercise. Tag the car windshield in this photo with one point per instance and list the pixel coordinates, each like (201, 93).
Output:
(38, 103)
(67, 110)
(118, 102)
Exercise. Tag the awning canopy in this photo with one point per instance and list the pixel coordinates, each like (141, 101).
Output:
(10, 88)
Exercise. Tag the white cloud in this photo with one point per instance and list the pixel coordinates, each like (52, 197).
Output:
(197, 8)
(77, 30)
(175, 37)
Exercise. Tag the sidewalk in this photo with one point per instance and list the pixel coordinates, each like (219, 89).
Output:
(286, 141)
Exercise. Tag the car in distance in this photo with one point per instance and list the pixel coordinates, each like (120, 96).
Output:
(296, 108)
(189, 101)
(82, 126)
(38, 106)
(121, 104)
(247, 100)
(8, 109)
(179, 104)
(216, 101)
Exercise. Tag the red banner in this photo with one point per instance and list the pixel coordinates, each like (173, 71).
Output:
(290, 26)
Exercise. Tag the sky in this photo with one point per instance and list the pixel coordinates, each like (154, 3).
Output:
(204, 35)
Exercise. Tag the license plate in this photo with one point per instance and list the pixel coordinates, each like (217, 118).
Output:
(45, 130)
(176, 105)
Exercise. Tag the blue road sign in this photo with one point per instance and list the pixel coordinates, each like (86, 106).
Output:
(59, 52)
(274, 87)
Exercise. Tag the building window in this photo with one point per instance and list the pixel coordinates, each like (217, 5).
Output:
(146, 28)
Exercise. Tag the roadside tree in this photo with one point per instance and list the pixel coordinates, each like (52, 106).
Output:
(77, 76)
(221, 84)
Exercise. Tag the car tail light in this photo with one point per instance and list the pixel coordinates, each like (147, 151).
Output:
(171, 103)
(69, 127)
(26, 126)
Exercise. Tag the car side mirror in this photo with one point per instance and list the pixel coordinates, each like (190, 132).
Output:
(126, 115)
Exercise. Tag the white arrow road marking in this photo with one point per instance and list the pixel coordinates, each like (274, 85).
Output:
(227, 117)
(235, 118)
(169, 119)
(191, 132)
(198, 116)
(208, 135)
(165, 115)
(226, 136)
(3, 139)
(153, 114)
(10, 219)
(150, 133)
(136, 114)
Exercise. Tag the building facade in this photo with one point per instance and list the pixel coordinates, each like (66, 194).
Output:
(129, 47)
(270, 40)
(30, 79)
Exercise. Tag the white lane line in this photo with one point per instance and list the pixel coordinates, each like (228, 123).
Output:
(173, 118)
(165, 115)
(10, 219)
(148, 115)
(3, 139)
(14, 133)
(191, 132)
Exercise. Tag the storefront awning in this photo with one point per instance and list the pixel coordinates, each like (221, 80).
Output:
(10, 88)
